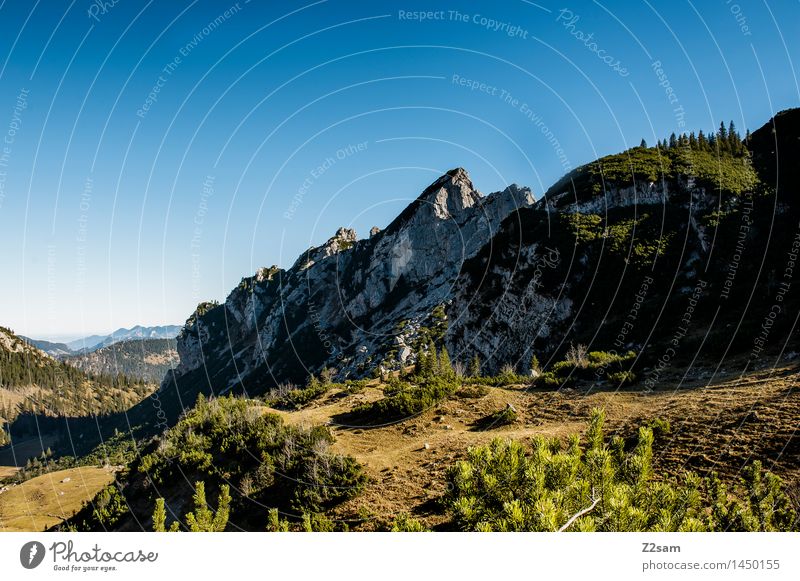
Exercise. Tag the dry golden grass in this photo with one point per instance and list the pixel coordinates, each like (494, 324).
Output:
(720, 425)
(48, 500)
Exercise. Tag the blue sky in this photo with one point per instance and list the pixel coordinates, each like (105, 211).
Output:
(154, 153)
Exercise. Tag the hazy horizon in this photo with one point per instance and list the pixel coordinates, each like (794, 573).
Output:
(70, 337)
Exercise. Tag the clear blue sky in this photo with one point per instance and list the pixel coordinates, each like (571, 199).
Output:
(118, 209)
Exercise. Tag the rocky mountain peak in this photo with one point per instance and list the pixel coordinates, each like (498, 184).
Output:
(451, 194)
(344, 239)
(340, 303)
(343, 236)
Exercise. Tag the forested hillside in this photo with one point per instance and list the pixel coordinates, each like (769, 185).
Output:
(32, 382)
(145, 359)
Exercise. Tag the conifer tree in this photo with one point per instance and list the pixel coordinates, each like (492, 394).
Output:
(734, 140)
(431, 362)
(445, 367)
(722, 137)
(275, 524)
(702, 142)
(475, 367)
(159, 517)
(535, 368)
(203, 519)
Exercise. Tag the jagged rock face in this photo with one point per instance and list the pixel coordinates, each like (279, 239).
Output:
(487, 258)
(514, 277)
(339, 305)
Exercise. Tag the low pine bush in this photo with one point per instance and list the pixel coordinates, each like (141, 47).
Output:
(596, 485)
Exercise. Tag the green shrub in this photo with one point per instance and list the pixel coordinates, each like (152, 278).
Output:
(232, 439)
(473, 391)
(597, 485)
(202, 519)
(586, 227)
(317, 523)
(475, 367)
(505, 416)
(275, 524)
(622, 378)
(548, 380)
(109, 506)
(502, 417)
(591, 366)
(660, 427)
(535, 366)
(405, 399)
(403, 523)
(102, 513)
(297, 398)
(353, 386)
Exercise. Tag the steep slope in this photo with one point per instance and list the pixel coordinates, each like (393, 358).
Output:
(145, 359)
(645, 235)
(776, 149)
(340, 304)
(659, 250)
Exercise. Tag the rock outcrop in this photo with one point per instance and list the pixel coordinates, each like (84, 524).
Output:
(341, 303)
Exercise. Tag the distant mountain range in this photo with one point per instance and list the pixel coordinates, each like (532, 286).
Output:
(94, 342)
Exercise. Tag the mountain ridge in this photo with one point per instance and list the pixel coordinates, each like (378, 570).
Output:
(35, 385)
(417, 254)
(347, 297)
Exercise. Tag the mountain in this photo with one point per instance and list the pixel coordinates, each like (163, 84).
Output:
(653, 283)
(93, 342)
(52, 349)
(341, 303)
(611, 256)
(147, 359)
